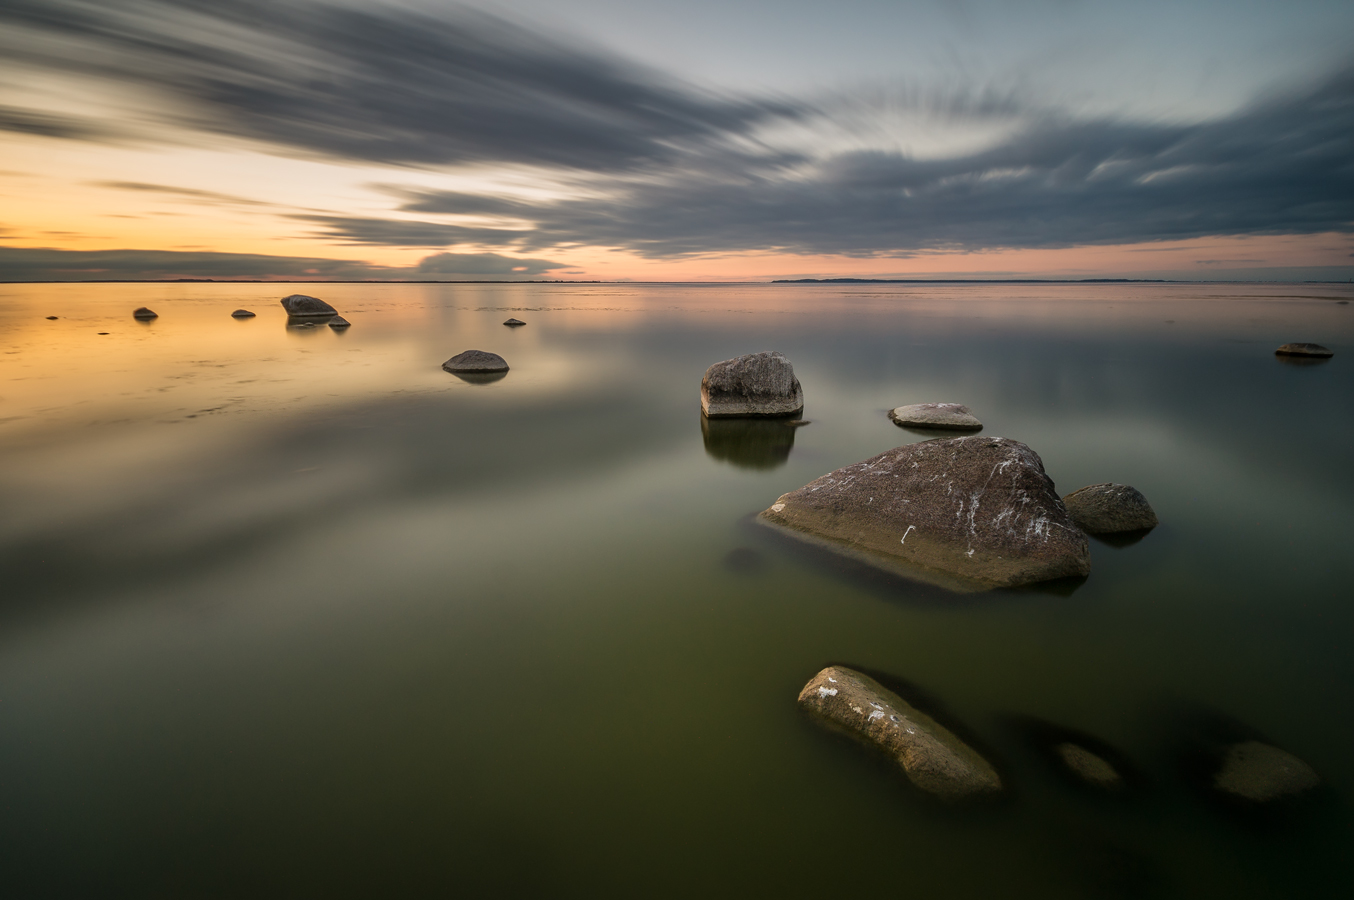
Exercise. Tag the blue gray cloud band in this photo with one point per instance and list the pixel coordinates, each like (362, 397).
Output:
(670, 170)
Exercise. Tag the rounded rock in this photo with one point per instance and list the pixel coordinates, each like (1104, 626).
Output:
(1110, 508)
(303, 305)
(143, 313)
(951, 416)
(242, 314)
(475, 362)
(1260, 772)
(1303, 349)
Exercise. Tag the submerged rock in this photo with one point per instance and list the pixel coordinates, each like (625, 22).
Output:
(1109, 508)
(339, 322)
(302, 305)
(242, 314)
(1301, 349)
(965, 512)
(513, 323)
(953, 416)
(475, 362)
(1260, 772)
(144, 313)
(933, 758)
(759, 384)
(1088, 767)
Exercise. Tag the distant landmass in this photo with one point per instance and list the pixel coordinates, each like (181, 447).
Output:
(969, 280)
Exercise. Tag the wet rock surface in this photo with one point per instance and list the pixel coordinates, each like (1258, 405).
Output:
(1304, 349)
(1260, 772)
(934, 759)
(144, 313)
(759, 384)
(476, 362)
(1110, 508)
(950, 416)
(966, 513)
(513, 323)
(304, 305)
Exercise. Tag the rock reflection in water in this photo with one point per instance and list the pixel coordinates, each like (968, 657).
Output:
(749, 443)
(480, 377)
(306, 324)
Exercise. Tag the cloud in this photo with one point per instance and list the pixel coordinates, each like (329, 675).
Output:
(27, 121)
(41, 264)
(210, 197)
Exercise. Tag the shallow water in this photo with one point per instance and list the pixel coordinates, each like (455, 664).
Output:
(293, 612)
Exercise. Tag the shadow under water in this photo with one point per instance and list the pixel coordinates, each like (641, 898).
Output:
(749, 443)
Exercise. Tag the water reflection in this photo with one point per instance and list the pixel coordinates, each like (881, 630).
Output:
(480, 377)
(1288, 360)
(749, 443)
(303, 324)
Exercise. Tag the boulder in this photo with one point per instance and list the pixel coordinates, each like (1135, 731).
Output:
(242, 314)
(339, 322)
(966, 513)
(475, 362)
(1088, 767)
(1260, 772)
(513, 323)
(759, 384)
(144, 314)
(1301, 349)
(301, 305)
(933, 758)
(1108, 508)
(953, 416)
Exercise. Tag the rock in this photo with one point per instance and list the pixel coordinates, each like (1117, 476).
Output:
(145, 314)
(936, 415)
(966, 513)
(242, 314)
(933, 758)
(475, 362)
(1260, 772)
(759, 384)
(1300, 349)
(1088, 767)
(339, 322)
(301, 305)
(52, 318)
(1108, 508)
(514, 322)
(798, 423)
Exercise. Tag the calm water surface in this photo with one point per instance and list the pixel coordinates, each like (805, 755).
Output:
(294, 613)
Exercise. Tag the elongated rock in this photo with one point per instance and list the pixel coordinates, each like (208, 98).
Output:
(759, 384)
(967, 513)
(303, 305)
(242, 314)
(1304, 349)
(1109, 508)
(514, 323)
(933, 758)
(952, 416)
(1260, 773)
(476, 362)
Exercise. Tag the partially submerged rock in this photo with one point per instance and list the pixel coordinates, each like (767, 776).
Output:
(953, 416)
(339, 322)
(52, 318)
(1259, 772)
(145, 313)
(242, 314)
(933, 758)
(759, 384)
(475, 362)
(302, 305)
(513, 323)
(967, 513)
(1110, 508)
(1304, 349)
(1087, 766)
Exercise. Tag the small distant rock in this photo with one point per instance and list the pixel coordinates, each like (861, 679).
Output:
(473, 362)
(1301, 349)
(954, 416)
(302, 305)
(934, 759)
(52, 318)
(339, 322)
(144, 313)
(1108, 508)
(514, 322)
(242, 314)
(1259, 772)
(1087, 766)
(799, 423)
(759, 384)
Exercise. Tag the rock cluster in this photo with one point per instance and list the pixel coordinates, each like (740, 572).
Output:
(1110, 508)
(759, 384)
(951, 416)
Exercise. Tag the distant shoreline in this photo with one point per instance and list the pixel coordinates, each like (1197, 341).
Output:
(775, 281)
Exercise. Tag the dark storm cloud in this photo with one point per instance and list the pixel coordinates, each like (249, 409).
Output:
(381, 84)
(39, 264)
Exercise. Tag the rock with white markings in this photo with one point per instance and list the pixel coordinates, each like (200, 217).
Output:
(934, 759)
(759, 384)
(303, 305)
(951, 416)
(1109, 509)
(966, 513)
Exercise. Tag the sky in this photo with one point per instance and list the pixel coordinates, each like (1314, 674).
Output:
(662, 141)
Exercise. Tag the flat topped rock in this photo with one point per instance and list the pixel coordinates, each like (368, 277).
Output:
(954, 416)
(759, 384)
(966, 513)
(303, 305)
(514, 322)
(145, 313)
(933, 758)
(1259, 772)
(242, 314)
(476, 362)
(1301, 349)
(1109, 508)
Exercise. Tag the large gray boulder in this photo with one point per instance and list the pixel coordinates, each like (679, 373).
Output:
(950, 416)
(966, 513)
(302, 305)
(933, 758)
(759, 384)
(1109, 508)
(476, 362)
(1260, 773)
(1304, 349)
